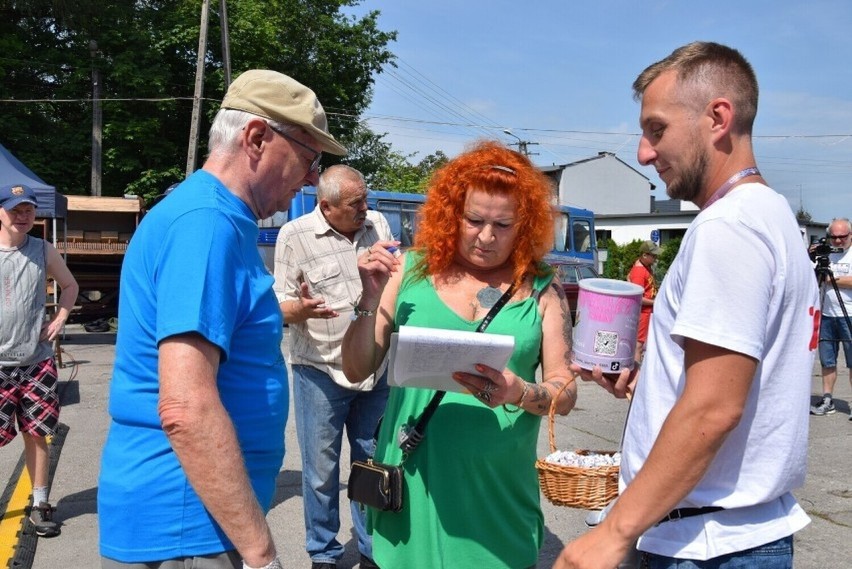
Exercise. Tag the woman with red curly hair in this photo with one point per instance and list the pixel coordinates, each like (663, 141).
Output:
(471, 495)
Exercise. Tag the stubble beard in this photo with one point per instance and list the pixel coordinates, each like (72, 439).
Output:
(691, 183)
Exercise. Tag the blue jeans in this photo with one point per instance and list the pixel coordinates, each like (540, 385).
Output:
(774, 555)
(832, 332)
(322, 410)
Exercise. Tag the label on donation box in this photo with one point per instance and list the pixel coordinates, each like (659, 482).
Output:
(607, 322)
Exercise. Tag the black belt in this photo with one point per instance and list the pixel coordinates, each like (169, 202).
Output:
(681, 513)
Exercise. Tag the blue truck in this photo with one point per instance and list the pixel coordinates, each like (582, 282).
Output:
(574, 238)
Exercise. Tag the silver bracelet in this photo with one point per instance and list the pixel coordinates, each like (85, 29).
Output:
(359, 312)
(274, 564)
(520, 404)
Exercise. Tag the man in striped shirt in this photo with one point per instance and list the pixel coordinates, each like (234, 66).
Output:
(317, 285)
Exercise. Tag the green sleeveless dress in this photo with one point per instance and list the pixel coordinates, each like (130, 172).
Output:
(471, 488)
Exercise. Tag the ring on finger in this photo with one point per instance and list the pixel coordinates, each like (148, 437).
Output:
(489, 387)
(485, 396)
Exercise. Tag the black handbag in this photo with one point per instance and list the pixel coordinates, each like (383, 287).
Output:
(379, 485)
(376, 485)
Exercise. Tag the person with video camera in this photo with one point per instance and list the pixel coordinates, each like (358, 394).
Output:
(833, 260)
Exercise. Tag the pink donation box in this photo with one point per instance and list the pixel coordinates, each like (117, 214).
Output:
(607, 321)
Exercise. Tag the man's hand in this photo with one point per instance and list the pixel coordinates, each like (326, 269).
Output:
(310, 307)
(620, 385)
(596, 549)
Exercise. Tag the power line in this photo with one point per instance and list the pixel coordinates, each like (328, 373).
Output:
(472, 118)
(424, 94)
(488, 129)
(555, 137)
(468, 110)
(109, 99)
(523, 145)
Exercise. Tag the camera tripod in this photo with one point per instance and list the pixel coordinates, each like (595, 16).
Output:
(825, 275)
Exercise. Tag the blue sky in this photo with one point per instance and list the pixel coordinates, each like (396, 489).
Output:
(558, 73)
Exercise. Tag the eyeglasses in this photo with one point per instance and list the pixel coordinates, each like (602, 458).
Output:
(838, 236)
(317, 154)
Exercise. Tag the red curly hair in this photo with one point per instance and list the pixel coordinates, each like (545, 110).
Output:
(491, 167)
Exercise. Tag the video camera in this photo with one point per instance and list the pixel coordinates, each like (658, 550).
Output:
(823, 248)
(819, 255)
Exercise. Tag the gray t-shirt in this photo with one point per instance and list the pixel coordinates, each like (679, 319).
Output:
(22, 298)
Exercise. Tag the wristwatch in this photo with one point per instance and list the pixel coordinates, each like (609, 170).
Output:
(274, 564)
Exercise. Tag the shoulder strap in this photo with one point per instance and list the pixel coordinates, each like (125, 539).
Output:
(540, 284)
(496, 308)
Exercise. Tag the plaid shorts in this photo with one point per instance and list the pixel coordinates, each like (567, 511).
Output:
(28, 393)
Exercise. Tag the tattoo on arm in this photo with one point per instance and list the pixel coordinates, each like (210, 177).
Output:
(541, 396)
(567, 329)
(568, 335)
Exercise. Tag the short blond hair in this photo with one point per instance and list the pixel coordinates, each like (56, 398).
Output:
(706, 70)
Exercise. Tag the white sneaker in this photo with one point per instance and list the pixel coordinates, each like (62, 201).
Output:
(824, 408)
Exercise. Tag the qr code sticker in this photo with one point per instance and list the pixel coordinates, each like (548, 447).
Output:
(606, 343)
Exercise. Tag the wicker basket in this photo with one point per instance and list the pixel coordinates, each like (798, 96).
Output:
(590, 488)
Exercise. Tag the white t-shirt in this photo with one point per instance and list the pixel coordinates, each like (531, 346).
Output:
(841, 266)
(742, 281)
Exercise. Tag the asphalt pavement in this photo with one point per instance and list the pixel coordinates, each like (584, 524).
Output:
(596, 423)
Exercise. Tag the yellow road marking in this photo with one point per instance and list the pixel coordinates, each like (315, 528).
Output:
(13, 520)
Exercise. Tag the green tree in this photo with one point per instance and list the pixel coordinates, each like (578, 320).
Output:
(621, 257)
(803, 216)
(368, 153)
(146, 57)
(398, 174)
(664, 261)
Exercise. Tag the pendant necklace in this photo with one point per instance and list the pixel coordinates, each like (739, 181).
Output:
(488, 296)
(726, 187)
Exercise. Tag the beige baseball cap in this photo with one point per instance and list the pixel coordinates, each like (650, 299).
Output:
(280, 98)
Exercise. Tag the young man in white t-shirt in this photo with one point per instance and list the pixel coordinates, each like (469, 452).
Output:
(717, 433)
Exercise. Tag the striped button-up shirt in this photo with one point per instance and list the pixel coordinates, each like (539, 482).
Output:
(309, 250)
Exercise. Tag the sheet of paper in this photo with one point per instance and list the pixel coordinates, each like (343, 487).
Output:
(427, 357)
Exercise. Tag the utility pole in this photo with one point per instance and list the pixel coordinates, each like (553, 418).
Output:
(226, 43)
(97, 121)
(199, 90)
(521, 144)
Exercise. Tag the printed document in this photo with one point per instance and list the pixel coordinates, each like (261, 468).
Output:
(427, 357)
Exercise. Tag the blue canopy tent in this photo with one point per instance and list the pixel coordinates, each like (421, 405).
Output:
(51, 204)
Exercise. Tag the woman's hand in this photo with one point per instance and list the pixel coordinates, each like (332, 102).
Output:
(493, 388)
(375, 267)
